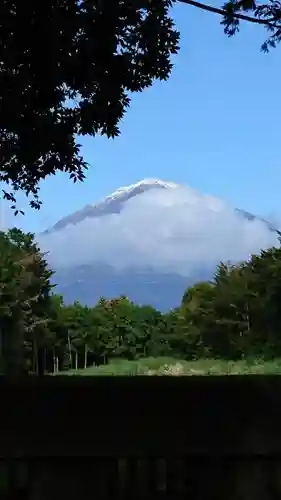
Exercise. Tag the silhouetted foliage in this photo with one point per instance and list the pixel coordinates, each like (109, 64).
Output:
(268, 14)
(67, 69)
(233, 12)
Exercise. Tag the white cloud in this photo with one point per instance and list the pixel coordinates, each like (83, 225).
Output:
(173, 229)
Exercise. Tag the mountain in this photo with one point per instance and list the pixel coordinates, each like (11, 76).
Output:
(149, 241)
(114, 203)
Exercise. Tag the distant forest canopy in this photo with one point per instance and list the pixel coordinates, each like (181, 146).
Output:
(236, 315)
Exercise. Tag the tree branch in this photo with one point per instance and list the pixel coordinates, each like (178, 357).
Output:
(223, 12)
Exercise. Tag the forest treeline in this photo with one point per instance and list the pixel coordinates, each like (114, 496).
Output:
(234, 316)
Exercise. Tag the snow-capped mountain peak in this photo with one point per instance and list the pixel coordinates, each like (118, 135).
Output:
(113, 203)
(142, 185)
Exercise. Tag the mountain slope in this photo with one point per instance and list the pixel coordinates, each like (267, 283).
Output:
(113, 203)
(149, 241)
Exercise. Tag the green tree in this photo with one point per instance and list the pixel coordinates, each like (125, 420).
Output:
(13, 280)
(24, 288)
(56, 333)
(38, 291)
(265, 276)
(232, 311)
(196, 315)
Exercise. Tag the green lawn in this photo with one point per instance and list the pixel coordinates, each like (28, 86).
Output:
(170, 366)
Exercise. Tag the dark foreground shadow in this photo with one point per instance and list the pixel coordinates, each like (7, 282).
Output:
(145, 437)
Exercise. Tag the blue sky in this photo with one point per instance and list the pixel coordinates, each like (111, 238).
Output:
(214, 125)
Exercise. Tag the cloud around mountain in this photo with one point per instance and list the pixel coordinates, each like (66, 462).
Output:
(170, 230)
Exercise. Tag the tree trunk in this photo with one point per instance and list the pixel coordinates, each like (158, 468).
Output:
(76, 360)
(69, 349)
(86, 356)
(57, 364)
(54, 362)
(13, 346)
(41, 360)
(35, 363)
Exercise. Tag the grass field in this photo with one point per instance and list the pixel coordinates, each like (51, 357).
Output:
(170, 366)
